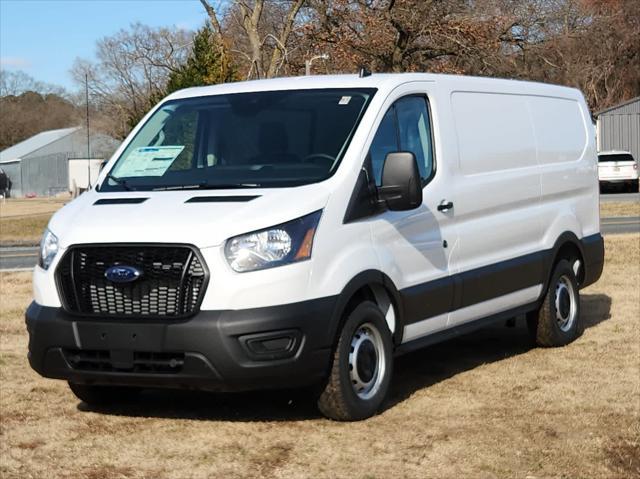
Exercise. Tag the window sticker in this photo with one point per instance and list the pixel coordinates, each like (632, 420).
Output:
(344, 100)
(148, 161)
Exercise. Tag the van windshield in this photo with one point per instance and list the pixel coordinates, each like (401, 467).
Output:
(244, 140)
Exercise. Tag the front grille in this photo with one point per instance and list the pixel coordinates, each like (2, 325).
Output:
(133, 361)
(171, 285)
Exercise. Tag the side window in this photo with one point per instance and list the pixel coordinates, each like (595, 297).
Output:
(405, 127)
(414, 128)
(385, 141)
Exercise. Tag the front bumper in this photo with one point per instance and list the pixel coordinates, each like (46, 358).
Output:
(263, 348)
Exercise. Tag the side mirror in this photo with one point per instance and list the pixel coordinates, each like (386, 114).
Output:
(401, 188)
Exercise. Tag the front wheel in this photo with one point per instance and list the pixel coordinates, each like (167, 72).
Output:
(558, 321)
(362, 366)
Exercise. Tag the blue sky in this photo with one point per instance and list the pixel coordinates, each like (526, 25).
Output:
(44, 37)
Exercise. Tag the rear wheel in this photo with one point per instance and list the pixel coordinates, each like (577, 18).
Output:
(362, 365)
(558, 321)
(103, 395)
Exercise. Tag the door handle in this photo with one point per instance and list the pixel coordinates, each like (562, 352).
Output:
(445, 206)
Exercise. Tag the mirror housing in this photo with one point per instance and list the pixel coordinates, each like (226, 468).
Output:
(401, 188)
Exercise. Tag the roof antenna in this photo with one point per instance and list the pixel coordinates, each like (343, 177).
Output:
(364, 72)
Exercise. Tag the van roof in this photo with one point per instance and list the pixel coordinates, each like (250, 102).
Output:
(381, 81)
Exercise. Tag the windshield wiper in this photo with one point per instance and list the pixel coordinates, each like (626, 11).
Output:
(206, 186)
(120, 181)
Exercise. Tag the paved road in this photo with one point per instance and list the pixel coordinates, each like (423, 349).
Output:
(18, 257)
(25, 257)
(620, 224)
(620, 197)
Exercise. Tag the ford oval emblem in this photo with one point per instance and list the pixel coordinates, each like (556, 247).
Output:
(122, 274)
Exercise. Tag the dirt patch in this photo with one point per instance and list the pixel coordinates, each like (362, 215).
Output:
(31, 444)
(623, 454)
(105, 471)
(484, 405)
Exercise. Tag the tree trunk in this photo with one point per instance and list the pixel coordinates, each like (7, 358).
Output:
(287, 28)
(250, 22)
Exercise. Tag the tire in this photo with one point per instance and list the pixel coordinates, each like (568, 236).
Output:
(362, 367)
(103, 395)
(558, 322)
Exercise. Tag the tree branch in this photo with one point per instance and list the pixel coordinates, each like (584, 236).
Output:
(284, 37)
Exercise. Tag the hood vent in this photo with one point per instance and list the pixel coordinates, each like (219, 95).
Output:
(221, 199)
(120, 201)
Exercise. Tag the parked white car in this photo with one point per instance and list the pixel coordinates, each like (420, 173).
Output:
(304, 231)
(618, 168)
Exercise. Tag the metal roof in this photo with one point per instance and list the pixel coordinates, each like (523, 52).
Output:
(34, 143)
(620, 105)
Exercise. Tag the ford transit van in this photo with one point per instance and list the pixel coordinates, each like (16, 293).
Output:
(304, 231)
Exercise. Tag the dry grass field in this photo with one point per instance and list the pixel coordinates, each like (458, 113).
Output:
(23, 220)
(619, 209)
(484, 406)
(16, 207)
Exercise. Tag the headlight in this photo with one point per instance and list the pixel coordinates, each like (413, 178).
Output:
(282, 244)
(48, 249)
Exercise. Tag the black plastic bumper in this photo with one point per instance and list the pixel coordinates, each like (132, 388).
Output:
(263, 348)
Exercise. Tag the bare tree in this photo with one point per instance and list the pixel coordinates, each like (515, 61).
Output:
(29, 113)
(404, 35)
(132, 70)
(259, 33)
(593, 45)
(14, 83)
(280, 49)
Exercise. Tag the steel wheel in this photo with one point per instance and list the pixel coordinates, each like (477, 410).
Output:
(366, 361)
(565, 304)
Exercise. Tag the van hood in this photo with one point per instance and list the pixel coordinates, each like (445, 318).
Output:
(201, 218)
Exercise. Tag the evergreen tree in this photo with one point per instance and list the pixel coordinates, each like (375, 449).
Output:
(204, 66)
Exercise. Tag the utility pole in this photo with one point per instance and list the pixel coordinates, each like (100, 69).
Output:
(307, 63)
(86, 94)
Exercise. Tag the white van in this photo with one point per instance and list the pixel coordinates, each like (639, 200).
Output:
(303, 231)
